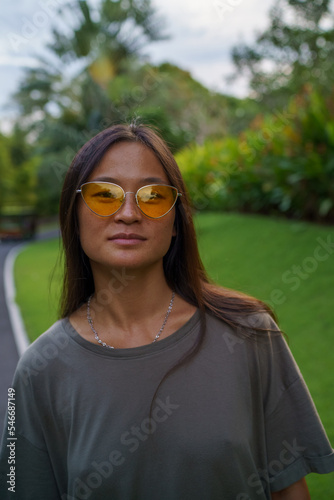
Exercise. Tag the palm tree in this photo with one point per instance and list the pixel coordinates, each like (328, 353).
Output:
(63, 101)
(88, 43)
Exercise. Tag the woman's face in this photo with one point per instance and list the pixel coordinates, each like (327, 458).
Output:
(128, 238)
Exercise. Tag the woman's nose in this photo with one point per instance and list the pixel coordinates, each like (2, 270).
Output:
(129, 210)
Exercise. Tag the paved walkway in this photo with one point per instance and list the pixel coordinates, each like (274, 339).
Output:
(8, 352)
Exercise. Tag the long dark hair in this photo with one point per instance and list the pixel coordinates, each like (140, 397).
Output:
(183, 267)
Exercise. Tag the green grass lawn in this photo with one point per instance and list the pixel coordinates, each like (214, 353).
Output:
(38, 280)
(288, 264)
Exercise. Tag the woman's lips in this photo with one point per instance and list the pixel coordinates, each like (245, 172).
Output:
(127, 238)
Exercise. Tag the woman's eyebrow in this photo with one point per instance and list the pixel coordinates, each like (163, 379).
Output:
(154, 179)
(145, 180)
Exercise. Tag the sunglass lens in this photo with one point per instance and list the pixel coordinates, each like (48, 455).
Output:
(102, 198)
(156, 201)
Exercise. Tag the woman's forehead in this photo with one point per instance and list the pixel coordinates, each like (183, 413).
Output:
(129, 160)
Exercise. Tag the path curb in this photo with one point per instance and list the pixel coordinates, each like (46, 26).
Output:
(19, 331)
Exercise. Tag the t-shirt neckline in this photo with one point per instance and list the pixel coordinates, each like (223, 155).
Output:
(131, 352)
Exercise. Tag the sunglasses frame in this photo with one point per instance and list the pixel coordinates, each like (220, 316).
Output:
(128, 192)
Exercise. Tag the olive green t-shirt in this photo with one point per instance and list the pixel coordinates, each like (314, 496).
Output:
(234, 423)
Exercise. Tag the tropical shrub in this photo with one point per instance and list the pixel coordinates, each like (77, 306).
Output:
(283, 163)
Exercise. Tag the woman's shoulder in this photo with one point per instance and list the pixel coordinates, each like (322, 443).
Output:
(43, 351)
(257, 324)
(254, 338)
(256, 348)
(56, 335)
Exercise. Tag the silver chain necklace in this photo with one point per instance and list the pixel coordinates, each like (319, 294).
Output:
(103, 344)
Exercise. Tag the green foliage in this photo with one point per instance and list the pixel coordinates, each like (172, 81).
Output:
(165, 97)
(298, 47)
(96, 39)
(283, 163)
(18, 168)
(170, 99)
(114, 28)
(113, 85)
(207, 170)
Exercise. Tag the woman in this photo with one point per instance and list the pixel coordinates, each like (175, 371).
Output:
(155, 384)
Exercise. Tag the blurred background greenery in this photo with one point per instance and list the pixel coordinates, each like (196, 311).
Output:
(271, 153)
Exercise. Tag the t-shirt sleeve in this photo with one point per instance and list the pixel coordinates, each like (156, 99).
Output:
(32, 476)
(296, 440)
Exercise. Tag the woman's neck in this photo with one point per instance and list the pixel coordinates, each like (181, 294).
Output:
(128, 307)
(130, 301)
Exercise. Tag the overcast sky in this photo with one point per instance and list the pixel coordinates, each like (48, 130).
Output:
(202, 33)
